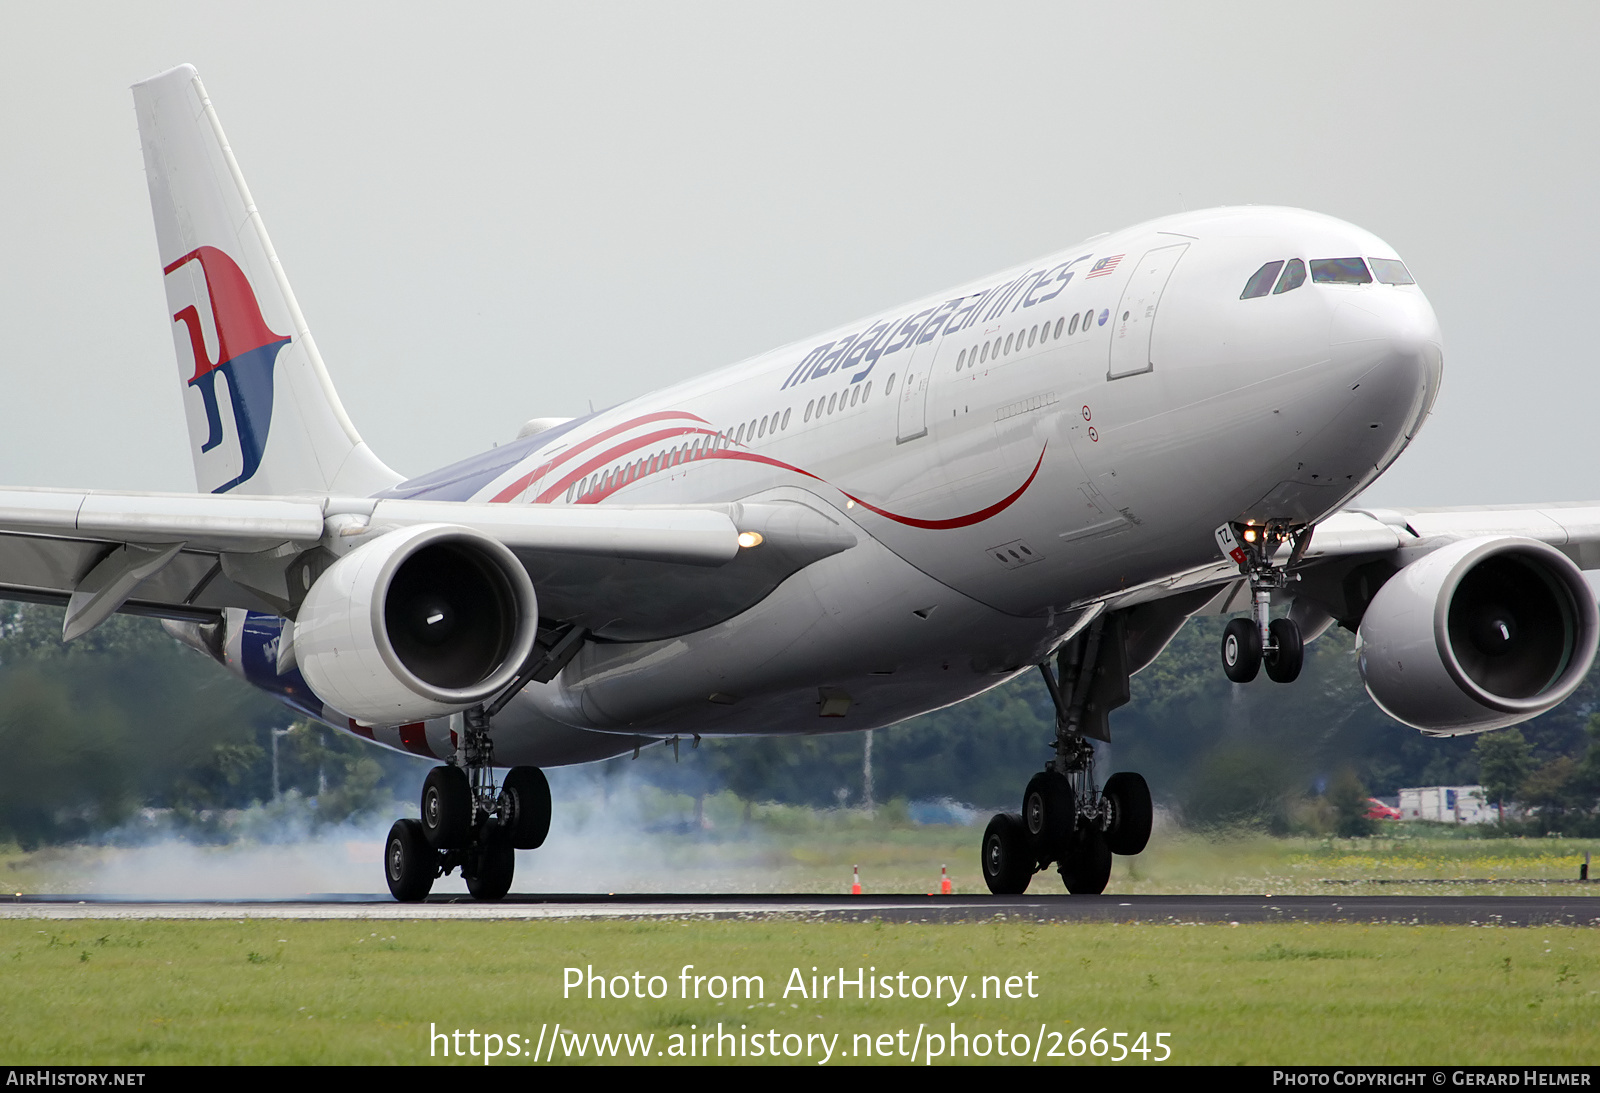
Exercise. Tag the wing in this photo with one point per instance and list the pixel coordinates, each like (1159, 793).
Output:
(622, 573)
(1467, 619)
(1387, 538)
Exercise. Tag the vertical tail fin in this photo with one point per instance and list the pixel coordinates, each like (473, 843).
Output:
(276, 426)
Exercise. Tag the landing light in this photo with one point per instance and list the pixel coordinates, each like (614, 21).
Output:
(749, 538)
(1249, 535)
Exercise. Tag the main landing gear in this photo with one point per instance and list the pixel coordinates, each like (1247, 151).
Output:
(469, 823)
(1066, 818)
(1248, 644)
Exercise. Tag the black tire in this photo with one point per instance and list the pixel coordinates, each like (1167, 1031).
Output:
(1049, 813)
(1285, 660)
(1086, 867)
(1131, 812)
(525, 807)
(447, 808)
(490, 868)
(1007, 857)
(1241, 650)
(409, 863)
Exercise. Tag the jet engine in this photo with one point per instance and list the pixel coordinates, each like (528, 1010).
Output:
(421, 622)
(1477, 635)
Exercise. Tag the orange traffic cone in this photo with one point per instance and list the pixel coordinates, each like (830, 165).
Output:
(855, 880)
(945, 887)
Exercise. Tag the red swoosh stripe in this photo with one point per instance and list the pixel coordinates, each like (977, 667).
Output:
(616, 452)
(910, 521)
(544, 468)
(957, 521)
(966, 520)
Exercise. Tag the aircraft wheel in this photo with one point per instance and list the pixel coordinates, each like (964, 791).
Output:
(1007, 858)
(1241, 650)
(1049, 812)
(1289, 654)
(1131, 812)
(447, 808)
(1086, 865)
(525, 807)
(491, 868)
(410, 864)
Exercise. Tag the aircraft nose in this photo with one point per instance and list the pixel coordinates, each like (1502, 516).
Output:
(1396, 334)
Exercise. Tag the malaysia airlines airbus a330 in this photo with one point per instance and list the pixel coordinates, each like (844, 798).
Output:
(1047, 469)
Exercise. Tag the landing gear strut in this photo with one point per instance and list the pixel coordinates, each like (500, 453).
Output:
(468, 822)
(1066, 818)
(1248, 644)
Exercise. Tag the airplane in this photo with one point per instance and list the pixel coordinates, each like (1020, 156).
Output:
(1047, 469)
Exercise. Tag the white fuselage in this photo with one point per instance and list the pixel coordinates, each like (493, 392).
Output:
(999, 475)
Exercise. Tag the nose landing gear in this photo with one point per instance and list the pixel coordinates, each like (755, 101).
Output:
(1066, 818)
(1249, 644)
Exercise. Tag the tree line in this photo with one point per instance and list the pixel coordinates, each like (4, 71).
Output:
(125, 720)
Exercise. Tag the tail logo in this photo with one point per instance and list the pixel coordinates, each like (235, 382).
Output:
(246, 353)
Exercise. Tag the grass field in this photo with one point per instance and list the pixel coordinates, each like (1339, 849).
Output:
(134, 993)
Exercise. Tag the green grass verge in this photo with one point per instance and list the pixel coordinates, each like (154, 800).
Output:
(139, 992)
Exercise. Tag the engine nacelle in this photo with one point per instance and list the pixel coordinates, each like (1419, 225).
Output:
(421, 622)
(1478, 635)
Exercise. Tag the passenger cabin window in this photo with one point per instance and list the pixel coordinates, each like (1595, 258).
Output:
(1261, 281)
(1294, 275)
(1391, 271)
(1073, 329)
(1340, 271)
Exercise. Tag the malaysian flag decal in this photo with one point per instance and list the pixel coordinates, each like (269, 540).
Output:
(1105, 266)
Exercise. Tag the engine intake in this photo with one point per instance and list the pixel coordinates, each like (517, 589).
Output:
(421, 622)
(1480, 634)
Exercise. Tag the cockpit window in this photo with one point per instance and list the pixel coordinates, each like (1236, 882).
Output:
(1391, 271)
(1340, 271)
(1260, 282)
(1294, 275)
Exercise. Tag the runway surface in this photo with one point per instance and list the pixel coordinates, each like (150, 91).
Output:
(1576, 910)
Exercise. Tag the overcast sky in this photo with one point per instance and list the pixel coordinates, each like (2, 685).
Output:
(491, 213)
